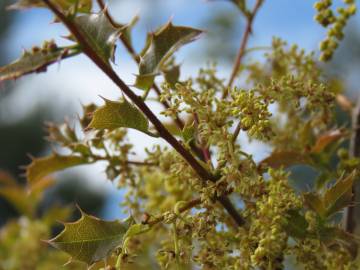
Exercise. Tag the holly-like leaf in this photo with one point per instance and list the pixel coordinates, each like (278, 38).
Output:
(296, 225)
(36, 60)
(326, 139)
(90, 239)
(241, 4)
(315, 203)
(284, 159)
(339, 195)
(64, 5)
(116, 114)
(41, 167)
(100, 34)
(136, 229)
(172, 75)
(159, 47)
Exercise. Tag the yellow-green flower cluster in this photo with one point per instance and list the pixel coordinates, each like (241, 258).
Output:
(326, 17)
(252, 111)
(267, 232)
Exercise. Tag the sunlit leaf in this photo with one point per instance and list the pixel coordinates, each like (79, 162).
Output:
(90, 239)
(326, 139)
(284, 159)
(64, 5)
(159, 47)
(41, 167)
(339, 195)
(116, 114)
(36, 60)
(100, 34)
(137, 229)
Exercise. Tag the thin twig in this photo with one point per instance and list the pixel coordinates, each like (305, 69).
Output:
(239, 57)
(205, 150)
(163, 132)
(243, 44)
(187, 206)
(354, 151)
(126, 162)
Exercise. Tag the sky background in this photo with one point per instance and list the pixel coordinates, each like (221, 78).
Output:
(77, 81)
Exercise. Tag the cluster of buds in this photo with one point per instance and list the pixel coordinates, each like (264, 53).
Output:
(47, 47)
(326, 17)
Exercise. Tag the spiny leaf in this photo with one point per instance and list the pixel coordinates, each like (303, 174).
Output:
(36, 61)
(41, 167)
(315, 203)
(119, 114)
(64, 5)
(339, 195)
(159, 47)
(284, 159)
(90, 239)
(241, 4)
(99, 33)
(296, 225)
(172, 75)
(136, 229)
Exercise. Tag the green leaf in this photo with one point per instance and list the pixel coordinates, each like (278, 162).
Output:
(136, 229)
(241, 4)
(36, 60)
(116, 114)
(188, 132)
(99, 33)
(339, 195)
(64, 5)
(41, 167)
(315, 203)
(90, 239)
(172, 75)
(159, 47)
(296, 225)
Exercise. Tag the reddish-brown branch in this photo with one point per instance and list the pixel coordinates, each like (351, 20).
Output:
(163, 132)
(243, 44)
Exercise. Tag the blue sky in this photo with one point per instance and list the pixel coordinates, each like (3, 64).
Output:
(77, 81)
